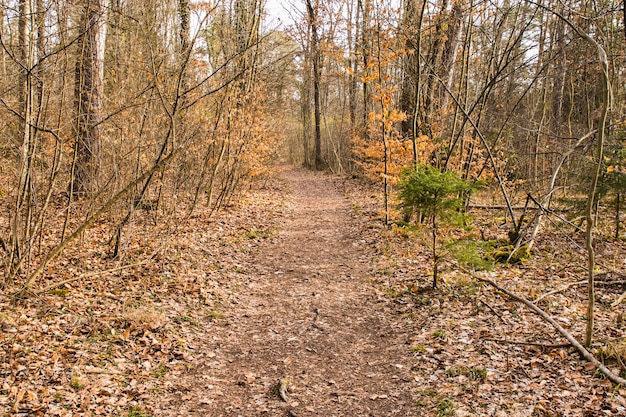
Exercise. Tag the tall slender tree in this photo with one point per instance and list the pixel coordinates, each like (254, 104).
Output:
(89, 83)
(316, 57)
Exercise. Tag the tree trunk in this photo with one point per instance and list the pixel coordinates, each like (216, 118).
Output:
(88, 95)
(559, 80)
(20, 220)
(434, 232)
(23, 29)
(451, 49)
(183, 15)
(618, 207)
(365, 8)
(247, 16)
(434, 59)
(315, 52)
(352, 66)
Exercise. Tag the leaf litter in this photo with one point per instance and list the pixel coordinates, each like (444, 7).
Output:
(298, 301)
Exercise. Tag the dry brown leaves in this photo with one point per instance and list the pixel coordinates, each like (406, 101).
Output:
(102, 344)
(475, 352)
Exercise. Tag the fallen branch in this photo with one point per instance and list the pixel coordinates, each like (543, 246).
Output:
(619, 300)
(492, 207)
(616, 379)
(520, 342)
(93, 274)
(344, 394)
(558, 290)
(494, 312)
(583, 282)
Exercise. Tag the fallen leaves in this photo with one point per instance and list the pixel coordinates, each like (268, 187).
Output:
(103, 344)
(465, 326)
(112, 343)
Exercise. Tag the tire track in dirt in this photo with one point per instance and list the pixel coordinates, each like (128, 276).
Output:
(304, 312)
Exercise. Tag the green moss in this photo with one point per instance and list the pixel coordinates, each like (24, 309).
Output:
(508, 254)
(255, 234)
(215, 314)
(473, 373)
(472, 253)
(76, 383)
(137, 412)
(454, 371)
(160, 371)
(396, 293)
(477, 374)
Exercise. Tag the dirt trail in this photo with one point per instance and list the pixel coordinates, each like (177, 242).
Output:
(304, 312)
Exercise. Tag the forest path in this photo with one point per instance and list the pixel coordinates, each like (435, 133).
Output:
(304, 311)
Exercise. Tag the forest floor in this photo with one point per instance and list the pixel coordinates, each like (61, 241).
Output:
(299, 302)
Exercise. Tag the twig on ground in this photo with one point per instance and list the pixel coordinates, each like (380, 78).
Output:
(521, 342)
(93, 274)
(558, 290)
(344, 394)
(505, 335)
(583, 282)
(494, 311)
(616, 379)
(282, 389)
(619, 300)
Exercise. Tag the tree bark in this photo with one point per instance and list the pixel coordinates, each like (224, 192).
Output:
(20, 220)
(88, 95)
(352, 66)
(366, 51)
(183, 15)
(316, 55)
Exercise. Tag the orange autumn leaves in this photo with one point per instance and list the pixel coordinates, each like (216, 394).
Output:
(380, 142)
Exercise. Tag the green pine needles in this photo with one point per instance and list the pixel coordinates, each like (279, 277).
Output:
(437, 198)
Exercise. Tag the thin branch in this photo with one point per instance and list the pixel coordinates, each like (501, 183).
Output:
(619, 300)
(559, 290)
(91, 275)
(87, 223)
(485, 145)
(523, 343)
(616, 379)
(551, 188)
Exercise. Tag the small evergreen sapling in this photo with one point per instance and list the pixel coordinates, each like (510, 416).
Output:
(437, 197)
